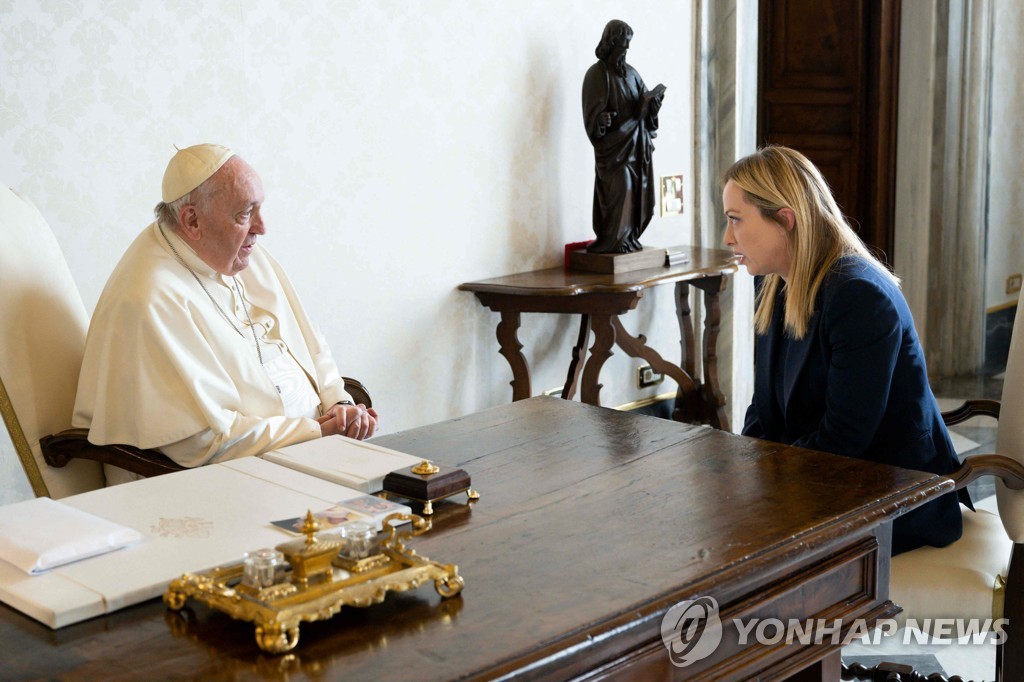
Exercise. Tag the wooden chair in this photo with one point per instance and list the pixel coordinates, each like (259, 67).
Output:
(981, 575)
(43, 324)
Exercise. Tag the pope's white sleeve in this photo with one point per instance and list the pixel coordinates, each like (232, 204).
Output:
(332, 389)
(247, 436)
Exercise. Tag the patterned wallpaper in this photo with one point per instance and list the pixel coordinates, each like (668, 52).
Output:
(405, 147)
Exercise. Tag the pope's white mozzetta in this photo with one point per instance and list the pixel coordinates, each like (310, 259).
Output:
(199, 346)
(189, 384)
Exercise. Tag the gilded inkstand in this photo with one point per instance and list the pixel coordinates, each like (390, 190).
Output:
(312, 578)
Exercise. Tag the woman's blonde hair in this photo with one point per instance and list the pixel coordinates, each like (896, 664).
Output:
(776, 177)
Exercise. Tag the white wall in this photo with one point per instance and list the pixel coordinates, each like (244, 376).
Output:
(405, 147)
(1005, 253)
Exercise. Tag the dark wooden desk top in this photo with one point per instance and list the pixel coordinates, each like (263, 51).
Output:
(562, 282)
(591, 523)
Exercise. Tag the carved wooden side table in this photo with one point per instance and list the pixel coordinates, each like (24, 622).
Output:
(599, 300)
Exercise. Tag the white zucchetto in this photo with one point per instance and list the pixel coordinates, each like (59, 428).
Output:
(191, 167)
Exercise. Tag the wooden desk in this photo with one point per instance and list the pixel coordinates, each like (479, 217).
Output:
(599, 300)
(592, 523)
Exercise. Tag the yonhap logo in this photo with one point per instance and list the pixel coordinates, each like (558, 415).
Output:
(691, 630)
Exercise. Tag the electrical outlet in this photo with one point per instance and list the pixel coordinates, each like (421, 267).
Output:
(646, 376)
(671, 195)
(1013, 283)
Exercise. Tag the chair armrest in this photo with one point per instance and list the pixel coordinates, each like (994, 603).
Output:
(358, 392)
(61, 448)
(974, 467)
(1009, 662)
(971, 408)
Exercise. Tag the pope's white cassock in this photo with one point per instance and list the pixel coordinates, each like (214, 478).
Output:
(170, 366)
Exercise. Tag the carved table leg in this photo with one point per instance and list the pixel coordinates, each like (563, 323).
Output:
(636, 347)
(604, 339)
(511, 348)
(687, 408)
(826, 670)
(686, 341)
(579, 352)
(890, 672)
(711, 392)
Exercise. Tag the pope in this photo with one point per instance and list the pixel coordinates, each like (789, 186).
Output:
(199, 346)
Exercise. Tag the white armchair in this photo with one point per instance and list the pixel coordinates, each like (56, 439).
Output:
(981, 575)
(42, 334)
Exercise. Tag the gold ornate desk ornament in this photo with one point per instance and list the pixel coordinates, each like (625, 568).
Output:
(312, 578)
(427, 483)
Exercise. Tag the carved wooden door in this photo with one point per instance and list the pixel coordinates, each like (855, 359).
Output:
(827, 86)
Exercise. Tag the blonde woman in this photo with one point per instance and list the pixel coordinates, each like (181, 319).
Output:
(838, 364)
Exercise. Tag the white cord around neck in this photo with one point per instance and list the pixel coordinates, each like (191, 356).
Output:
(220, 310)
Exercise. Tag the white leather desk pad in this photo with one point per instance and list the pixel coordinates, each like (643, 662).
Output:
(191, 521)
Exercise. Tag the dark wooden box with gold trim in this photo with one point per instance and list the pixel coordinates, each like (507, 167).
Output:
(428, 487)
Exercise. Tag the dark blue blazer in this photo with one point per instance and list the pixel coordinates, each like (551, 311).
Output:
(857, 385)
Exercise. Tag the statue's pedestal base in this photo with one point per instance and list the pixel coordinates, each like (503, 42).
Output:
(613, 263)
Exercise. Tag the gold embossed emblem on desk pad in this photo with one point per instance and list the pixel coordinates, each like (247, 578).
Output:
(185, 527)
